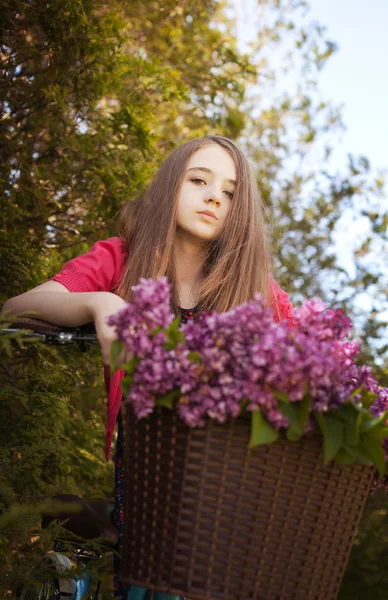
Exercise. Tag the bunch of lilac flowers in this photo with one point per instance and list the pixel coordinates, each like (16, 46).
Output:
(239, 361)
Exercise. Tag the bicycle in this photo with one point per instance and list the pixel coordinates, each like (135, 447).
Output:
(66, 568)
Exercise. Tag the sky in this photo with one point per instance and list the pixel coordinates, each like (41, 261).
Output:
(356, 76)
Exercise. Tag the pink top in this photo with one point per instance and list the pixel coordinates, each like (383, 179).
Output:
(99, 270)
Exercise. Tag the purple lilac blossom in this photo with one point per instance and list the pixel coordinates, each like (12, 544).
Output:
(149, 310)
(243, 356)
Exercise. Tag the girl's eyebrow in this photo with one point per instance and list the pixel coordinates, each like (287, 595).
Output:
(206, 170)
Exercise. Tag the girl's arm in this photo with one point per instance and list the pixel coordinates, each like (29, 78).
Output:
(52, 302)
(80, 293)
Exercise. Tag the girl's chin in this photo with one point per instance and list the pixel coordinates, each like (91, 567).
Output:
(198, 235)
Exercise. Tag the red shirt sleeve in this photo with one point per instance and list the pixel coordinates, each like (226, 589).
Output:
(281, 305)
(99, 270)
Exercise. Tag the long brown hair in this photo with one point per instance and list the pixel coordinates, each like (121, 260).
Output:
(237, 264)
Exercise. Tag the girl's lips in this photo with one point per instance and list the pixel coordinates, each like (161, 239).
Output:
(208, 214)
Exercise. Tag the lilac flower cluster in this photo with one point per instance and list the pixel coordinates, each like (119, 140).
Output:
(150, 310)
(240, 358)
(141, 327)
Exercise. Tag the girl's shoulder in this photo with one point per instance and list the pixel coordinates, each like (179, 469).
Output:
(99, 269)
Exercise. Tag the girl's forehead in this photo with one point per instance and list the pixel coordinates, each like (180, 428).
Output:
(215, 158)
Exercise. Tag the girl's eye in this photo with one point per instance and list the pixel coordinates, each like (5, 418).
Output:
(199, 181)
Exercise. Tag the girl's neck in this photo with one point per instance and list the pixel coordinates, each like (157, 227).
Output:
(189, 259)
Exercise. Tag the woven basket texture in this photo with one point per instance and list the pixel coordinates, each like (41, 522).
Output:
(208, 518)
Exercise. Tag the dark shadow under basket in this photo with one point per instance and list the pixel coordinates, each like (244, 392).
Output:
(208, 518)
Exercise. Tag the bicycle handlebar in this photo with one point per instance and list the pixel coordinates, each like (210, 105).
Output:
(53, 334)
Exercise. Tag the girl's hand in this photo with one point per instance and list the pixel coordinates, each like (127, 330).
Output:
(101, 306)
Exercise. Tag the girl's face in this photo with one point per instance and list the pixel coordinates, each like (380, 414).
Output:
(208, 185)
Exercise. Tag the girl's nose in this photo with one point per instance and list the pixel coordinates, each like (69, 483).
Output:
(213, 195)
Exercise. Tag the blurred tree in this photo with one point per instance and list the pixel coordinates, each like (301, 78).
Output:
(93, 96)
(366, 575)
(290, 134)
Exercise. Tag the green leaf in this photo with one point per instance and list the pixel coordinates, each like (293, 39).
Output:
(378, 433)
(373, 422)
(345, 413)
(115, 350)
(155, 331)
(281, 396)
(261, 431)
(173, 334)
(130, 366)
(244, 404)
(290, 411)
(333, 435)
(167, 400)
(195, 357)
(292, 435)
(347, 455)
(351, 427)
(173, 338)
(355, 392)
(125, 384)
(297, 412)
(304, 408)
(367, 398)
(371, 442)
(372, 450)
(174, 326)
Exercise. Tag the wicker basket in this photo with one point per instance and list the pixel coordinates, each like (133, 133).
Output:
(208, 518)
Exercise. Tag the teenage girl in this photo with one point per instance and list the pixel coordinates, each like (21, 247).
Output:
(200, 223)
